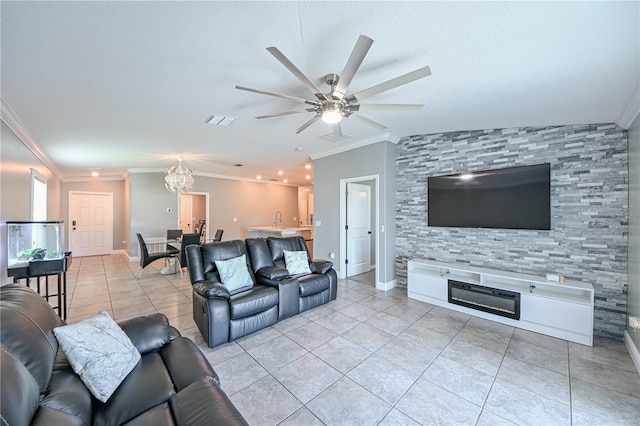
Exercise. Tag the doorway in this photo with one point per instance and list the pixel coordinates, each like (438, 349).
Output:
(90, 223)
(194, 212)
(359, 216)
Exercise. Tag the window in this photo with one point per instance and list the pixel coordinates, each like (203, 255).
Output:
(38, 196)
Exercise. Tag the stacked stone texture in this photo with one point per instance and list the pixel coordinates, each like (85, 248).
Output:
(589, 208)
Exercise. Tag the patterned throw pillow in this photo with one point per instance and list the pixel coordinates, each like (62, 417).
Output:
(234, 273)
(296, 262)
(99, 352)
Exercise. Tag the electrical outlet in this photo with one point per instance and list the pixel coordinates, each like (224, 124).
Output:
(318, 223)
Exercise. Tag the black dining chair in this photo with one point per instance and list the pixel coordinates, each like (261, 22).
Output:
(218, 236)
(187, 240)
(173, 234)
(147, 258)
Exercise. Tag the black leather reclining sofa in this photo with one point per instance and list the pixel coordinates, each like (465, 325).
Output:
(273, 295)
(172, 384)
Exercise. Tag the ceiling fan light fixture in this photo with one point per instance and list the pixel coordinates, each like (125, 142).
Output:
(331, 112)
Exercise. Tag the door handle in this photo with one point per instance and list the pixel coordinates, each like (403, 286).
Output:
(369, 232)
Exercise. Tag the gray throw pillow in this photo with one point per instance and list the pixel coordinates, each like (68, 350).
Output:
(296, 262)
(99, 352)
(234, 273)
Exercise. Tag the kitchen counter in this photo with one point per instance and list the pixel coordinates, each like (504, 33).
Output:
(280, 231)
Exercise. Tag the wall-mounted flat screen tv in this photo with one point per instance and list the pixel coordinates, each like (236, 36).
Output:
(511, 198)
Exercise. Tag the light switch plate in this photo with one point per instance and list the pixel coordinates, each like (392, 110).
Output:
(318, 223)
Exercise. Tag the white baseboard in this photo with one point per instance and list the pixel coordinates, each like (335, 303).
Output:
(126, 254)
(386, 286)
(633, 351)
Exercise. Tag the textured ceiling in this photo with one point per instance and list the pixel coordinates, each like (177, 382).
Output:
(128, 85)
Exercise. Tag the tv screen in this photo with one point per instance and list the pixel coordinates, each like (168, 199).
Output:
(512, 198)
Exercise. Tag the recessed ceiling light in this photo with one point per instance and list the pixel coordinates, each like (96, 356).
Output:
(285, 180)
(307, 166)
(280, 172)
(307, 177)
(258, 177)
(95, 174)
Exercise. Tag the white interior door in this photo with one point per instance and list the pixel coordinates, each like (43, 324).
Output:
(186, 214)
(91, 223)
(303, 212)
(358, 229)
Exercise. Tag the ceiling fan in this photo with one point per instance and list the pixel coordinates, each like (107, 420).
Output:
(336, 104)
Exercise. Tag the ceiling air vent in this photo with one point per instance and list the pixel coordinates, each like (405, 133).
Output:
(331, 137)
(220, 120)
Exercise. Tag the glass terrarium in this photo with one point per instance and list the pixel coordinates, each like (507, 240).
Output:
(35, 248)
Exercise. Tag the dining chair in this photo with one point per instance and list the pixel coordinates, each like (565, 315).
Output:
(187, 240)
(173, 234)
(147, 258)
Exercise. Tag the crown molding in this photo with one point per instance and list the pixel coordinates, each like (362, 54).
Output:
(385, 137)
(632, 109)
(11, 119)
(93, 179)
(215, 175)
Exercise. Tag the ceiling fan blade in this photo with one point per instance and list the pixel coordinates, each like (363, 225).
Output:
(337, 130)
(295, 71)
(390, 84)
(307, 124)
(278, 114)
(355, 60)
(264, 92)
(366, 121)
(386, 107)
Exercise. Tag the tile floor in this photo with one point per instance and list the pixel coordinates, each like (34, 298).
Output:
(378, 358)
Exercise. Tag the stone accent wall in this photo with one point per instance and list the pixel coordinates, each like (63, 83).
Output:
(589, 208)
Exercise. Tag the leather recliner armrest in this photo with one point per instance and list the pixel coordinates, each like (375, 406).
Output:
(274, 273)
(147, 333)
(319, 266)
(211, 290)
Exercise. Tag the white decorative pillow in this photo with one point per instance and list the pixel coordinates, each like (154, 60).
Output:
(234, 273)
(296, 262)
(99, 352)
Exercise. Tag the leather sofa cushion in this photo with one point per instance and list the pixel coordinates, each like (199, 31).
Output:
(19, 395)
(27, 325)
(210, 289)
(67, 393)
(312, 284)
(189, 407)
(186, 364)
(147, 333)
(273, 273)
(253, 301)
(46, 416)
(277, 246)
(320, 266)
(149, 384)
(157, 416)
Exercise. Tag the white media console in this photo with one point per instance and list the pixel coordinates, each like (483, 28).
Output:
(563, 310)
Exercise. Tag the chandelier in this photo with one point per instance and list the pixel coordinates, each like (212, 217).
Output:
(179, 179)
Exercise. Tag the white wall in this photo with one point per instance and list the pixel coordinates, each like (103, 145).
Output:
(250, 203)
(633, 296)
(378, 158)
(16, 162)
(115, 187)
